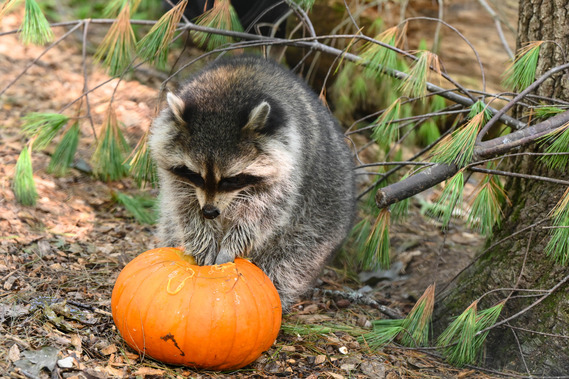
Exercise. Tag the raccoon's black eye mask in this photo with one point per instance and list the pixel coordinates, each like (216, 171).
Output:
(232, 183)
(186, 173)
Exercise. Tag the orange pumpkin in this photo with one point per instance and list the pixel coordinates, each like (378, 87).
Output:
(218, 317)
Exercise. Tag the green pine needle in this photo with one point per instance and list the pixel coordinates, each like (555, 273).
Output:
(485, 210)
(142, 208)
(558, 246)
(23, 183)
(486, 319)
(297, 329)
(35, 28)
(400, 210)
(142, 167)
(384, 331)
(418, 321)
(428, 132)
(458, 147)
(560, 144)
(63, 156)
(114, 7)
(43, 127)
(462, 340)
(305, 4)
(376, 251)
(385, 132)
(480, 107)
(547, 111)
(221, 16)
(153, 47)
(376, 57)
(521, 72)
(109, 156)
(6, 6)
(450, 198)
(458, 339)
(118, 44)
(415, 85)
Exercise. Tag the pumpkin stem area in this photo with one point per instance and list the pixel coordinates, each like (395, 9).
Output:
(186, 257)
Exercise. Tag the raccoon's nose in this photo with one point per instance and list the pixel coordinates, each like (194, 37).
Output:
(210, 212)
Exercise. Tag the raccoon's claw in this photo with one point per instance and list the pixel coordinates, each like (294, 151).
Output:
(224, 256)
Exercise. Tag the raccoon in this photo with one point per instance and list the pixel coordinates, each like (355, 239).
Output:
(251, 164)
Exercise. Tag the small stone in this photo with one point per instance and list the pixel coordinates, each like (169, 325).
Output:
(65, 362)
(319, 359)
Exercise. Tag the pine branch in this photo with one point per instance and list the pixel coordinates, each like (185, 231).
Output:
(433, 175)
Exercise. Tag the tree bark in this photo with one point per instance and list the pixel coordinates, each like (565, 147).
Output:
(520, 261)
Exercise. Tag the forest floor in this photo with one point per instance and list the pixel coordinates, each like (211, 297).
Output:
(59, 259)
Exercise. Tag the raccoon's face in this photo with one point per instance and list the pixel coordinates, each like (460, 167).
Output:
(220, 157)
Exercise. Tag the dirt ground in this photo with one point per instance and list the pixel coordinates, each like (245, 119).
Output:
(60, 258)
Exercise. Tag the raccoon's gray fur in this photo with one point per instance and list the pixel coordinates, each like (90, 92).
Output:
(252, 164)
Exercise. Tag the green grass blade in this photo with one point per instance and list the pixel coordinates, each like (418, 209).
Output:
(109, 156)
(142, 208)
(118, 44)
(154, 46)
(23, 183)
(63, 156)
(35, 28)
(43, 127)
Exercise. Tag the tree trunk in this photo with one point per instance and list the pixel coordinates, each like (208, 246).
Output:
(520, 260)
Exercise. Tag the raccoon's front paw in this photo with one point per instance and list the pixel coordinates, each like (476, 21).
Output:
(204, 256)
(224, 256)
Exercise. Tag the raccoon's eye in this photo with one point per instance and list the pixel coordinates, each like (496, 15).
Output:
(186, 173)
(237, 182)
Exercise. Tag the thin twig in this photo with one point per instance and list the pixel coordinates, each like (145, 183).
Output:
(86, 79)
(538, 301)
(498, 24)
(518, 175)
(486, 251)
(520, 350)
(33, 62)
(515, 100)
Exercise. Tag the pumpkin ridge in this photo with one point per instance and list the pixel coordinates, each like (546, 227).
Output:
(157, 290)
(254, 347)
(263, 281)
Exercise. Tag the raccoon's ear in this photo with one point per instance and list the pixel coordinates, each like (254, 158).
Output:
(176, 104)
(258, 117)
